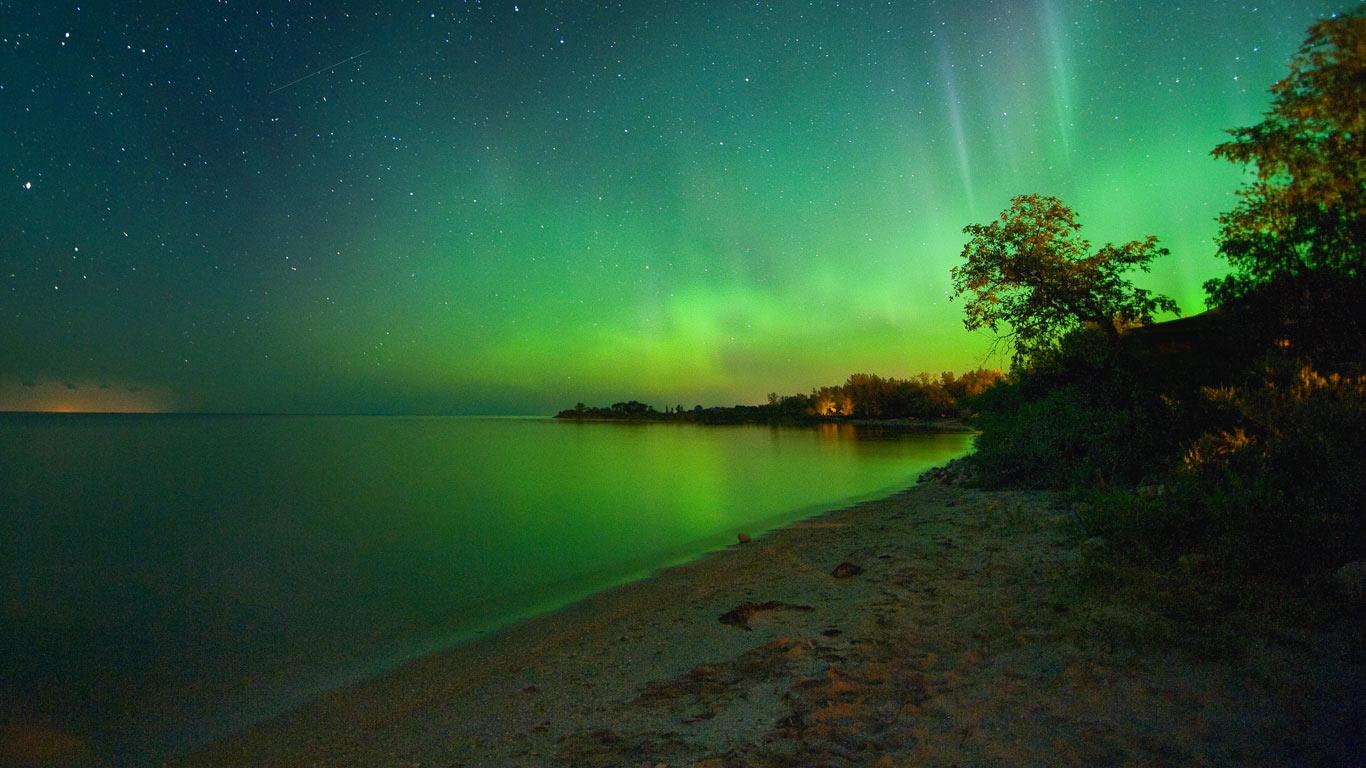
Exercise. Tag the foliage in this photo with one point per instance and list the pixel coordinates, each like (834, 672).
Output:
(1278, 488)
(1303, 210)
(1088, 413)
(1263, 465)
(1298, 451)
(1319, 316)
(869, 396)
(1032, 271)
(1235, 439)
(1255, 469)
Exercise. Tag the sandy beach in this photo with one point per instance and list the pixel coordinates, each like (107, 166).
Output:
(953, 634)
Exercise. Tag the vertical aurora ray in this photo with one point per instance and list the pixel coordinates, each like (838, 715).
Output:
(1059, 73)
(953, 106)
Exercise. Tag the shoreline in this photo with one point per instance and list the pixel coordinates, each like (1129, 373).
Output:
(958, 641)
(913, 425)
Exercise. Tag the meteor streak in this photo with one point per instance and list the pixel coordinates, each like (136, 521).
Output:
(328, 68)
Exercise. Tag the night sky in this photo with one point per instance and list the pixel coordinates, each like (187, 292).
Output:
(507, 207)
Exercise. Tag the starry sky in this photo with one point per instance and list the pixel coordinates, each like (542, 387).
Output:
(409, 206)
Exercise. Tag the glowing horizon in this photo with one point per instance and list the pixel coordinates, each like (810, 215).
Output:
(83, 397)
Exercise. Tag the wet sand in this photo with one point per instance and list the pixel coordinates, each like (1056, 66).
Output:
(959, 639)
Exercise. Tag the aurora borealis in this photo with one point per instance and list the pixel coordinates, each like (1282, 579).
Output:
(508, 207)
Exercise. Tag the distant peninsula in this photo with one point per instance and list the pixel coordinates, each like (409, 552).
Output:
(927, 399)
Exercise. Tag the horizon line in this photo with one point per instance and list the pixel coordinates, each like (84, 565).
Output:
(272, 413)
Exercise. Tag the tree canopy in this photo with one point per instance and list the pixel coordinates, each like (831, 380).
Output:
(1303, 210)
(861, 396)
(1031, 270)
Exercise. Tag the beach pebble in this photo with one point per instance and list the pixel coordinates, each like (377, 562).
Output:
(743, 537)
(846, 570)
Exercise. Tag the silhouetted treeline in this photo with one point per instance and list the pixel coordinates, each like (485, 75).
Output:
(861, 396)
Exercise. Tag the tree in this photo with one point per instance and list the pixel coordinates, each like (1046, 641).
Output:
(1302, 213)
(1032, 271)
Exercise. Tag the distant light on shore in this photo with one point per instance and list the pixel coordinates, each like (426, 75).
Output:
(57, 396)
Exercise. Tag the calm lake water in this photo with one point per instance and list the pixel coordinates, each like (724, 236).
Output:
(168, 579)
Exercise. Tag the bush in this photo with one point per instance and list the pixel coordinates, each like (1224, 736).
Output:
(1278, 490)
(1285, 485)
(1089, 415)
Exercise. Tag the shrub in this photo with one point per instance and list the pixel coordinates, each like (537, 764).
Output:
(1277, 490)
(1285, 485)
(1090, 414)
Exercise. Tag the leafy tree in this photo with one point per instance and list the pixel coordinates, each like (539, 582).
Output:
(1032, 271)
(1303, 210)
(970, 384)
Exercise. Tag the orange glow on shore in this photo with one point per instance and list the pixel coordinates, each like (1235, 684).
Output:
(82, 397)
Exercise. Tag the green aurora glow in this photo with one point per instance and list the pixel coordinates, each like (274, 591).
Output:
(512, 208)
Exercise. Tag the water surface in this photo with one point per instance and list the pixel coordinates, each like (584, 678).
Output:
(167, 579)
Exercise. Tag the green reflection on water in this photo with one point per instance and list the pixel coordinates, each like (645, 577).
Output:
(169, 578)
